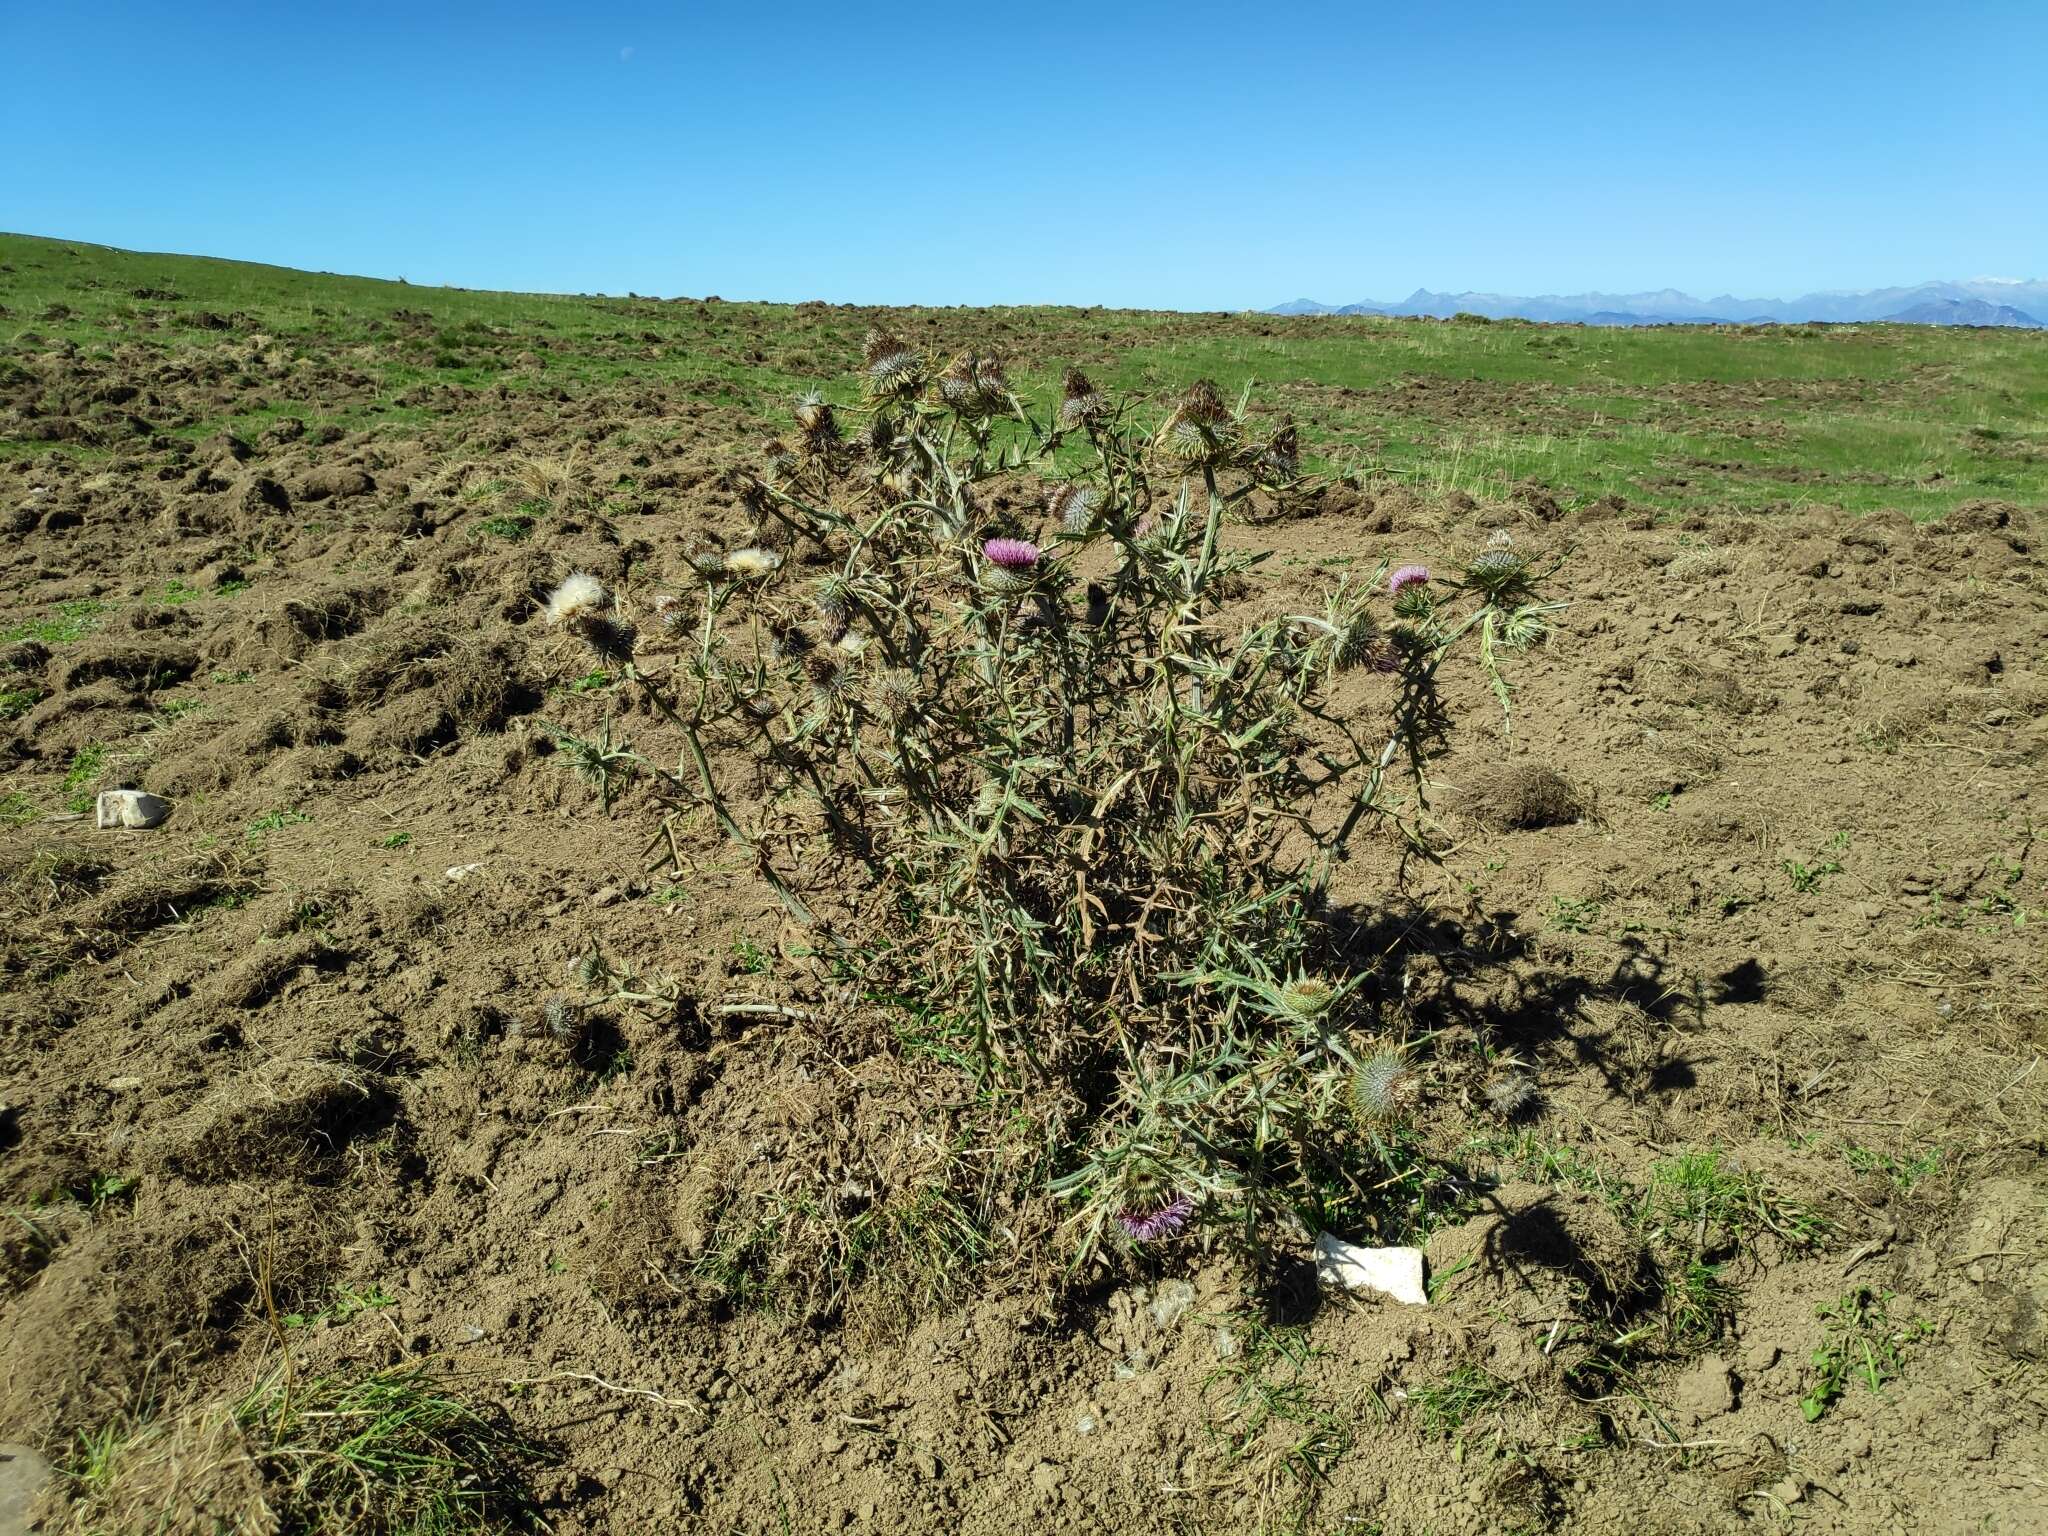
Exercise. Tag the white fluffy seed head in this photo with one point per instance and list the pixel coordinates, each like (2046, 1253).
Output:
(752, 563)
(580, 592)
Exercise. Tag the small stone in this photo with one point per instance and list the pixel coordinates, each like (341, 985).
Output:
(131, 808)
(1046, 1477)
(462, 871)
(608, 897)
(1789, 1489)
(1087, 1420)
(1759, 1357)
(1172, 1302)
(23, 1475)
(1395, 1273)
(1228, 1345)
(123, 1084)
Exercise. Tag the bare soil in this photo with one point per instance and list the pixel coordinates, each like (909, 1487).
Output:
(1759, 876)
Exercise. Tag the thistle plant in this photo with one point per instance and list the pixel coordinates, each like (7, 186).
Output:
(1028, 773)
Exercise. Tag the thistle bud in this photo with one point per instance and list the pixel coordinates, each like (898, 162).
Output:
(1384, 1086)
(1074, 508)
(1199, 431)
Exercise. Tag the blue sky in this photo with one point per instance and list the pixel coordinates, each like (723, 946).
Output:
(1188, 156)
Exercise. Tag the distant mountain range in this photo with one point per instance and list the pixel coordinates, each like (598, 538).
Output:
(1975, 301)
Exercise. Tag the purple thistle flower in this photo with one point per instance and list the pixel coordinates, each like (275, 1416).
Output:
(1150, 1226)
(1406, 576)
(1018, 555)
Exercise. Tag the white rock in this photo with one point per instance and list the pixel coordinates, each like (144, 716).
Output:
(1171, 1302)
(22, 1476)
(462, 871)
(1395, 1273)
(131, 808)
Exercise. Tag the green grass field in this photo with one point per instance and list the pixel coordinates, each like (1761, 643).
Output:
(1864, 417)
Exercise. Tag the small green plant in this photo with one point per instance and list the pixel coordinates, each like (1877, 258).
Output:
(1699, 1303)
(1697, 1193)
(96, 1191)
(389, 1453)
(1261, 1406)
(16, 702)
(275, 821)
(751, 959)
(505, 526)
(1573, 916)
(591, 682)
(1806, 878)
(16, 809)
(395, 840)
(1446, 1405)
(233, 677)
(174, 710)
(176, 593)
(82, 778)
(349, 1302)
(70, 622)
(1903, 1173)
(607, 764)
(1859, 1342)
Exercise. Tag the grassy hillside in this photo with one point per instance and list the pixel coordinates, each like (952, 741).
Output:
(1680, 419)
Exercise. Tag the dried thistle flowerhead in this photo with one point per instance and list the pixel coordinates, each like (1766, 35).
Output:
(891, 369)
(560, 1014)
(578, 593)
(1278, 462)
(1385, 1086)
(1075, 508)
(578, 606)
(752, 563)
(829, 674)
(1081, 404)
(790, 642)
(896, 690)
(708, 563)
(1510, 1091)
(814, 418)
(833, 599)
(777, 462)
(975, 385)
(610, 638)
